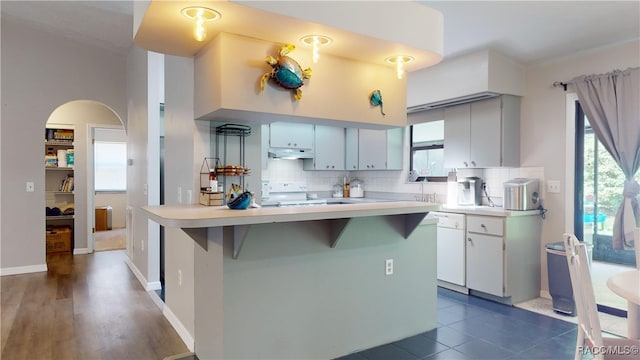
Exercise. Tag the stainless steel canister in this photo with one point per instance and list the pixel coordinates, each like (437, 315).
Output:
(521, 194)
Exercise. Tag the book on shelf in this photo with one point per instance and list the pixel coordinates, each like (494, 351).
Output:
(67, 184)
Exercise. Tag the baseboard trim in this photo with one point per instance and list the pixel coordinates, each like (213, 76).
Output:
(81, 251)
(154, 285)
(179, 327)
(134, 269)
(17, 270)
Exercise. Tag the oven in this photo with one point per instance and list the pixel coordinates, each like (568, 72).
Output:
(283, 194)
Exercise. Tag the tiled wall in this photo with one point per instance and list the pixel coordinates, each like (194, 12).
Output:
(494, 179)
(395, 181)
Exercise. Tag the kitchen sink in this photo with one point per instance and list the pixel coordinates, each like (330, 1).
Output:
(354, 201)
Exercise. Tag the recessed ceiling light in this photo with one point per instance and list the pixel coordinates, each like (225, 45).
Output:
(316, 41)
(399, 61)
(200, 15)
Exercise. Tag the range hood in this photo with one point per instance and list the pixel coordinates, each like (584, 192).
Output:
(464, 79)
(290, 154)
(452, 102)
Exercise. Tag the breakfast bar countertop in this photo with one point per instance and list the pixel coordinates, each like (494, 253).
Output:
(486, 210)
(200, 216)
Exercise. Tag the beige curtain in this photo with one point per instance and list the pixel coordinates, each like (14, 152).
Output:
(612, 104)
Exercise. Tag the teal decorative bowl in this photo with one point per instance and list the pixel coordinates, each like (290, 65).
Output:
(240, 202)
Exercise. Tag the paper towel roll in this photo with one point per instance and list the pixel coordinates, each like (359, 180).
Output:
(62, 158)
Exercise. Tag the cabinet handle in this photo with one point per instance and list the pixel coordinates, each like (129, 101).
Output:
(469, 239)
(296, 145)
(466, 164)
(333, 166)
(473, 163)
(484, 227)
(327, 166)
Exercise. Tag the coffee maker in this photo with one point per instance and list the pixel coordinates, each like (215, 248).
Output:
(470, 191)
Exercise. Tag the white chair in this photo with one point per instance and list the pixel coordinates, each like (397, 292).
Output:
(589, 331)
(636, 246)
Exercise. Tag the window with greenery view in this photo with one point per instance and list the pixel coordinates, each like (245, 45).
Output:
(427, 151)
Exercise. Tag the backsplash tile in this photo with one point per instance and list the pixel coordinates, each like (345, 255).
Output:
(395, 181)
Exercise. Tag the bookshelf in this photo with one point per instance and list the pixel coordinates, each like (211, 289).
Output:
(59, 163)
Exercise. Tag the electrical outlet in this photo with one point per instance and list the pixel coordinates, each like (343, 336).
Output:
(31, 186)
(179, 277)
(388, 267)
(553, 186)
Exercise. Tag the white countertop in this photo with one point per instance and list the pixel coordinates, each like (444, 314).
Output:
(486, 210)
(200, 216)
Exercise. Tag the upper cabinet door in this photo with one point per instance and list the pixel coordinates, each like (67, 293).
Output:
(457, 136)
(483, 134)
(351, 149)
(395, 148)
(372, 149)
(486, 120)
(291, 135)
(329, 148)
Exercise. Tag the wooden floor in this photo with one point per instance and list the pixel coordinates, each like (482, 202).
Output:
(84, 307)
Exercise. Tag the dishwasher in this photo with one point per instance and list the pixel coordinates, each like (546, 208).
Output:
(451, 266)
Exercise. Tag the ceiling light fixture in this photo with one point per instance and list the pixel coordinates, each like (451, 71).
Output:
(316, 41)
(399, 61)
(200, 15)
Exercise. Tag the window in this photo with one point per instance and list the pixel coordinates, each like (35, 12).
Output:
(110, 161)
(427, 151)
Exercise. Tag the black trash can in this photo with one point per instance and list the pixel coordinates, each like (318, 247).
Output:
(559, 280)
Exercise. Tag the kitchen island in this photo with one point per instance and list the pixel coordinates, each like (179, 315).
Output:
(308, 282)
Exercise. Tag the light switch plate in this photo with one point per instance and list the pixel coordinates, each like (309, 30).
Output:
(31, 186)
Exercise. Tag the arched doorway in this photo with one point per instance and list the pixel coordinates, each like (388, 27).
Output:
(83, 117)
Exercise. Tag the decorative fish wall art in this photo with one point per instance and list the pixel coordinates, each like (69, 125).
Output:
(375, 98)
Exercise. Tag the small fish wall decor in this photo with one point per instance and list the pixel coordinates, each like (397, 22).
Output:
(375, 98)
(286, 72)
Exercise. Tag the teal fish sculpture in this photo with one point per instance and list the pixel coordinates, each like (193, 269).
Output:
(286, 72)
(240, 202)
(376, 100)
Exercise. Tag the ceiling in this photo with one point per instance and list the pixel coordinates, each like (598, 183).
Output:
(529, 32)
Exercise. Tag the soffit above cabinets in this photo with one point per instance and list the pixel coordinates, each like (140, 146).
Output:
(366, 31)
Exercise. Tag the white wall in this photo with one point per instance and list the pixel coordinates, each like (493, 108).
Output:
(144, 79)
(185, 146)
(543, 129)
(37, 79)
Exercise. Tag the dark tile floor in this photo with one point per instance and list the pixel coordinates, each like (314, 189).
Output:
(473, 328)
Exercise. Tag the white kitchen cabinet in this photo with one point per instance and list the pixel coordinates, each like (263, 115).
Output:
(329, 145)
(485, 263)
(503, 257)
(351, 148)
(291, 135)
(483, 133)
(376, 149)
